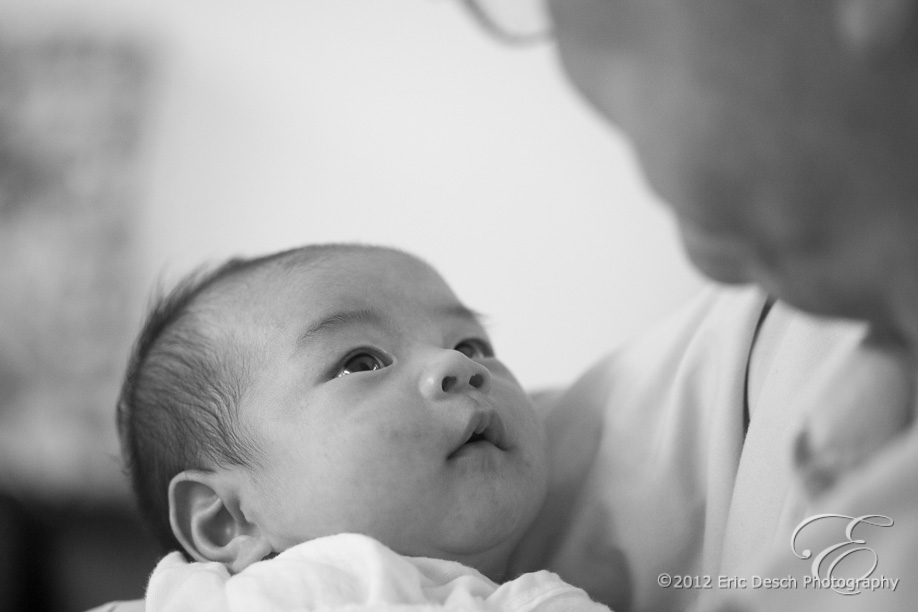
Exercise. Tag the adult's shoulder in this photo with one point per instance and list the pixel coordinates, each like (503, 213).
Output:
(702, 346)
(671, 380)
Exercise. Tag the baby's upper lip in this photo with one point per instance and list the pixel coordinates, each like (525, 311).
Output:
(487, 423)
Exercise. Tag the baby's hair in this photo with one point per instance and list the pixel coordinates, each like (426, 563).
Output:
(179, 400)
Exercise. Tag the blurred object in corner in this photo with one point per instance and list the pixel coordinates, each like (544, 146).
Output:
(72, 108)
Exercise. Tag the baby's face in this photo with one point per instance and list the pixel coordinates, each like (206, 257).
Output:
(381, 409)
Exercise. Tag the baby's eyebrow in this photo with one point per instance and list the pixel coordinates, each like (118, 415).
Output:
(338, 319)
(461, 311)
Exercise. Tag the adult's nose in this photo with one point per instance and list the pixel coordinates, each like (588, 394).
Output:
(449, 372)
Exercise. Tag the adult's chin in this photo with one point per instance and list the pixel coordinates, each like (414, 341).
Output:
(721, 258)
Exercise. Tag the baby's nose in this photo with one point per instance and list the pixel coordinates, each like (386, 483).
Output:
(450, 372)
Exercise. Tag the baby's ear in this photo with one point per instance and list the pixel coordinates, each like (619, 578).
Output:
(207, 520)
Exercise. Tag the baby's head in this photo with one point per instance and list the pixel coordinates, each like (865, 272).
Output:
(328, 389)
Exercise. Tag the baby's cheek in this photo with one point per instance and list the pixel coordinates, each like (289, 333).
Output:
(406, 438)
(401, 432)
(534, 449)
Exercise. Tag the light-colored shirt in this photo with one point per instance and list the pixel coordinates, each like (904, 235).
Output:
(679, 503)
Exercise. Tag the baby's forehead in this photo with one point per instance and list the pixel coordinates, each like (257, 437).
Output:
(301, 286)
(356, 273)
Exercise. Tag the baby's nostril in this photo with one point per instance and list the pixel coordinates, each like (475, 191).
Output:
(477, 380)
(448, 383)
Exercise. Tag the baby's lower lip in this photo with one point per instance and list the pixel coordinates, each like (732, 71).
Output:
(472, 447)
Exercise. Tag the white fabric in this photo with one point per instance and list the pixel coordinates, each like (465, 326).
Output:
(120, 606)
(351, 572)
(674, 487)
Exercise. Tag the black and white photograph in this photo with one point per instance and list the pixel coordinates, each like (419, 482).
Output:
(479, 305)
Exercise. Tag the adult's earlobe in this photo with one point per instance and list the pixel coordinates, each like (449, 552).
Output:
(206, 519)
(871, 28)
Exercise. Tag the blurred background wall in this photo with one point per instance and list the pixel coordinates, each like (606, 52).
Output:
(140, 138)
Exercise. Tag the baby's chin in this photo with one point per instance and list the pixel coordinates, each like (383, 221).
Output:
(492, 561)
(489, 545)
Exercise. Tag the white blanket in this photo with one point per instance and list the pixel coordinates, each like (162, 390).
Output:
(351, 572)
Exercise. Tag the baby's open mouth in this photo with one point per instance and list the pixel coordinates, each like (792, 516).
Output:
(484, 428)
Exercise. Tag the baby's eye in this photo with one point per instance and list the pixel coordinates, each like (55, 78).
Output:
(362, 361)
(474, 348)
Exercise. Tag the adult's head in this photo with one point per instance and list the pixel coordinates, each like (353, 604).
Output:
(783, 133)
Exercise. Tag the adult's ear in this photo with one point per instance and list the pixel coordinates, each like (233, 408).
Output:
(871, 28)
(207, 520)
